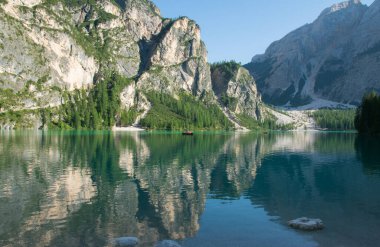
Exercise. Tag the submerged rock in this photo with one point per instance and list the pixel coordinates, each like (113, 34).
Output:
(126, 241)
(306, 224)
(167, 243)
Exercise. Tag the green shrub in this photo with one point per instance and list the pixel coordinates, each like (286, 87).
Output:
(269, 123)
(229, 102)
(127, 118)
(228, 67)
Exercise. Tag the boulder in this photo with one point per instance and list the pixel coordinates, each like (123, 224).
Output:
(306, 224)
(126, 241)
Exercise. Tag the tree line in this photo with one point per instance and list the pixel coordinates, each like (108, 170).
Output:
(98, 108)
(168, 113)
(334, 119)
(367, 119)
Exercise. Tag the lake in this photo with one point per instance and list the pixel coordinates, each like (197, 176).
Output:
(211, 189)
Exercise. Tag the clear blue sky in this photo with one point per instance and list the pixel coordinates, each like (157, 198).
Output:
(240, 29)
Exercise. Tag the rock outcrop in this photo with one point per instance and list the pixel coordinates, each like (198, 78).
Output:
(178, 60)
(126, 242)
(236, 90)
(335, 58)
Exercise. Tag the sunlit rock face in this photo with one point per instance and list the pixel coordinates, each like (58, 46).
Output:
(334, 58)
(142, 17)
(178, 60)
(181, 41)
(36, 47)
(50, 41)
(236, 90)
(52, 46)
(29, 3)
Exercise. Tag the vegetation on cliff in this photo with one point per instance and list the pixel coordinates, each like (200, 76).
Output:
(98, 108)
(228, 67)
(184, 113)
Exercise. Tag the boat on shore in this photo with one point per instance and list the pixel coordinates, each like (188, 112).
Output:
(187, 133)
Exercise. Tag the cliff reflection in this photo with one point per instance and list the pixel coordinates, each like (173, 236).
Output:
(85, 187)
(76, 188)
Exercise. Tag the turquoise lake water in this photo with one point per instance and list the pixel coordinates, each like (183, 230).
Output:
(210, 189)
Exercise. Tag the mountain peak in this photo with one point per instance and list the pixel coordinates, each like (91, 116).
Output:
(334, 58)
(340, 6)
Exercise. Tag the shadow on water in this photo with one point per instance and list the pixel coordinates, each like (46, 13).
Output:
(368, 152)
(85, 188)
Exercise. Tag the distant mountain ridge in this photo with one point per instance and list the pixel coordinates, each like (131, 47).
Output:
(334, 60)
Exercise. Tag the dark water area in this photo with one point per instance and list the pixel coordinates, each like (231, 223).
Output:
(210, 189)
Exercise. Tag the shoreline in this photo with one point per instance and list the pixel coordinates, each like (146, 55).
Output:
(127, 129)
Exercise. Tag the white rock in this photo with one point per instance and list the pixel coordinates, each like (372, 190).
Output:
(306, 224)
(126, 241)
(180, 42)
(29, 3)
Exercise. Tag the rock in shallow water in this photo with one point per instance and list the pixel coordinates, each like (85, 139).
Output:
(306, 224)
(126, 241)
(167, 243)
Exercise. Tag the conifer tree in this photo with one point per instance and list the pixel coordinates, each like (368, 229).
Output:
(367, 118)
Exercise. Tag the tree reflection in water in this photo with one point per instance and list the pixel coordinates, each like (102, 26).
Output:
(85, 188)
(368, 152)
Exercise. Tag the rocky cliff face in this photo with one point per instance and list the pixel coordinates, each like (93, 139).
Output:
(68, 44)
(36, 54)
(51, 47)
(335, 58)
(177, 60)
(236, 90)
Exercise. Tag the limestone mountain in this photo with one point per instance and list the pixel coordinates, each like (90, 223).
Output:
(67, 44)
(112, 58)
(333, 59)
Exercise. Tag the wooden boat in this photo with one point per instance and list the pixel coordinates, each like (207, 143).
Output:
(187, 133)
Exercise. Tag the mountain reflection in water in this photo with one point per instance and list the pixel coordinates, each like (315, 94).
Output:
(87, 188)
